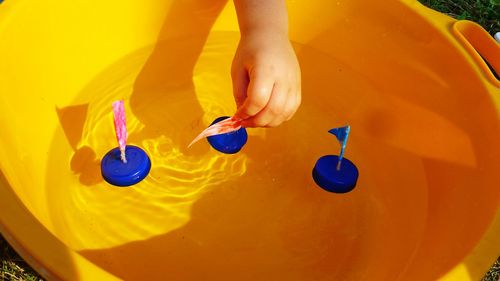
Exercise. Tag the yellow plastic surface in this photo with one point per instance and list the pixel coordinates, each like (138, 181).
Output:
(422, 103)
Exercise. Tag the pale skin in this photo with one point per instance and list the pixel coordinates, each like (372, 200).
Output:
(265, 70)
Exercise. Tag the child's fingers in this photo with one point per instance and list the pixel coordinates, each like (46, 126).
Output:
(258, 94)
(240, 85)
(272, 114)
(288, 110)
(285, 109)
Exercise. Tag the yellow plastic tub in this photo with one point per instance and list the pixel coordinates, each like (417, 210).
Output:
(422, 103)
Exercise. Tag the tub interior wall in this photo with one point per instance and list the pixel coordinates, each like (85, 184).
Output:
(423, 136)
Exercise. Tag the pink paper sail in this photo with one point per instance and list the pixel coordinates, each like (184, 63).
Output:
(120, 127)
(226, 126)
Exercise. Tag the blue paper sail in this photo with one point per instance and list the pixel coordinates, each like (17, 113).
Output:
(342, 133)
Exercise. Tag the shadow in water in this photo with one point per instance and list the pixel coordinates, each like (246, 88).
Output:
(84, 161)
(72, 119)
(164, 97)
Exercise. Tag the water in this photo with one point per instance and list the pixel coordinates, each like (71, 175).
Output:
(200, 206)
(161, 116)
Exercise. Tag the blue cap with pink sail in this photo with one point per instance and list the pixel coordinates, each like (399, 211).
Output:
(335, 173)
(124, 165)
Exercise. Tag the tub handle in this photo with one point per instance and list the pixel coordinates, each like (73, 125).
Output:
(482, 47)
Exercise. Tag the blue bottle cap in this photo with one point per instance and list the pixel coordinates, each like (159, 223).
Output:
(115, 172)
(327, 176)
(229, 143)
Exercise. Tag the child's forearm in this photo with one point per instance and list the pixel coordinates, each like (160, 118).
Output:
(262, 16)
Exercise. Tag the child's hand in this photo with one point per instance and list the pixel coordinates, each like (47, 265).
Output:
(266, 80)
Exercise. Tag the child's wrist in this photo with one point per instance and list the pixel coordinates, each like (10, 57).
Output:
(265, 32)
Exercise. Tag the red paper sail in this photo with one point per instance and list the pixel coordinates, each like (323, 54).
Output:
(226, 126)
(120, 127)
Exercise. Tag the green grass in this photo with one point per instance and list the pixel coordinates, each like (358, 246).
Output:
(484, 12)
(13, 266)
(494, 273)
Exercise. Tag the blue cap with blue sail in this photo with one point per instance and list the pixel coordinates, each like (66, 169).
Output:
(342, 135)
(335, 173)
